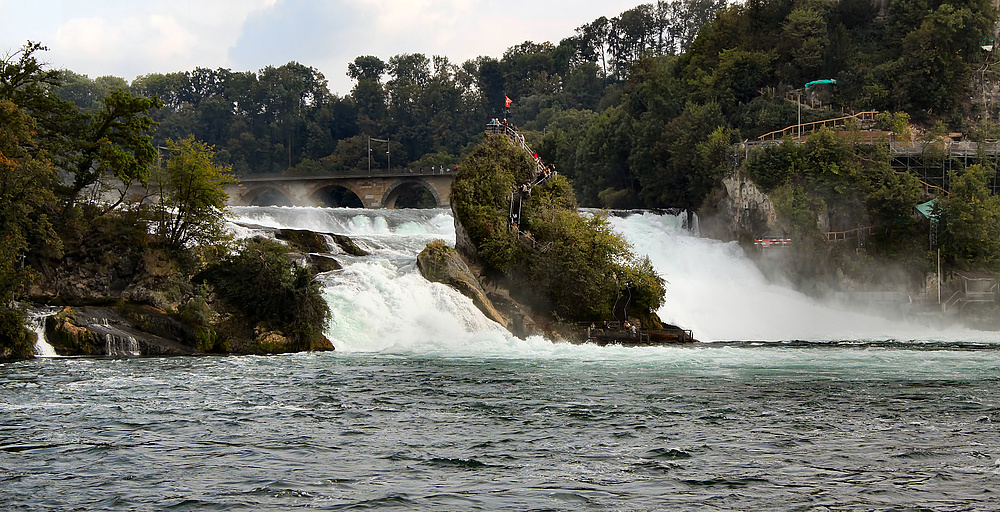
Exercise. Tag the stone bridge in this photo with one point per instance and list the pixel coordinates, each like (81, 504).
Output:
(376, 189)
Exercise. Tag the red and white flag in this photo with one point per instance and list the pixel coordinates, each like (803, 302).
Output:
(507, 101)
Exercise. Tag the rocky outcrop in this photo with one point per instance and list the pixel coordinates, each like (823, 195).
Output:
(737, 208)
(315, 242)
(140, 303)
(442, 264)
(117, 331)
(130, 330)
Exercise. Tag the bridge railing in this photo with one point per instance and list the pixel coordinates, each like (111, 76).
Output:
(394, 172)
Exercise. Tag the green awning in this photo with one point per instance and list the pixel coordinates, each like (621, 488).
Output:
(815, 82)
(927, 209)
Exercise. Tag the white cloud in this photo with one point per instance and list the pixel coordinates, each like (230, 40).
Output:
(87, 37)
(174, 41)
(132, 38)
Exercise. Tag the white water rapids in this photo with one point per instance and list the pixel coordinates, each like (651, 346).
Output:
(381, 303)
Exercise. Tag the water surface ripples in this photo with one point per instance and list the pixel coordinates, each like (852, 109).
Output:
(727, 427)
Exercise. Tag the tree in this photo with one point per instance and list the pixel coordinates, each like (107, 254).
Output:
(971, 215)
(192, 200)
(111, 142)
(938, 51)
(803, 38)
(25, 197)
(282, 295)
(574, 266)
(26, 81)
(368, 93)
(114, 142)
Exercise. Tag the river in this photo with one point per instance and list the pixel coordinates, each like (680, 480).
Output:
(790, 404)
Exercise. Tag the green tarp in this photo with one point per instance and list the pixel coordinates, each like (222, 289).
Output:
(927, 209)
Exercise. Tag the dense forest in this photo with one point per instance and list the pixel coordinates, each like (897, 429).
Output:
(634, 108)
(637, 110)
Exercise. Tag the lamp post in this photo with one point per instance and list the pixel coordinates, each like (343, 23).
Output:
(799, 102)
(370, 139)
(987, 45)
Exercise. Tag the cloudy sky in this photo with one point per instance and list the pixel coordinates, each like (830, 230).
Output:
(129, 38)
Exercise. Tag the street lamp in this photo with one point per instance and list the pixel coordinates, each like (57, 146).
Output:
(370, 139)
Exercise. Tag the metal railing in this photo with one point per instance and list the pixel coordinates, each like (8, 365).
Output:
(797, 129)
(505, 128)
(835, 236)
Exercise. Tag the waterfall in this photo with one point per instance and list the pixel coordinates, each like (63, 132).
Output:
(36, 321)
(719, 293)
(380, 302)
(120, 346)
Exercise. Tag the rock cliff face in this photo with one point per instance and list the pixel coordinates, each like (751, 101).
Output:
(738, 208)
(442, 264)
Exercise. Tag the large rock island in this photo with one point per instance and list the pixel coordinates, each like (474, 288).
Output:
(529, 260)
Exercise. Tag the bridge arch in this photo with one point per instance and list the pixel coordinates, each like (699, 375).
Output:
(399, 186)
(275, 195)
(335, 196)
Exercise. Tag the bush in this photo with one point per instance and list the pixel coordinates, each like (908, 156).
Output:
(266, 286)
(16, 342)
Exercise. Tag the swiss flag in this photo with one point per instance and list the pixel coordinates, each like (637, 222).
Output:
(507, 101)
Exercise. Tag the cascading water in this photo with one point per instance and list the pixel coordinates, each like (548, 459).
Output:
(715, 290)
(381, 303)
(36, 320)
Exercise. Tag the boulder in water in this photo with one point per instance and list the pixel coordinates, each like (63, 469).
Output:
(440, 263)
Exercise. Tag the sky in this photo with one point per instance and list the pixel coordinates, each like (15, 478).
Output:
(131, 38)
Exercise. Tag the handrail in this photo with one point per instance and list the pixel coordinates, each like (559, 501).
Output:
(927, 186)
(511, 132)
(957, 296)
(868, 115)
(834, 236)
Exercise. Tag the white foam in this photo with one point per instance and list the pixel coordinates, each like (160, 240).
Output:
(715, 290)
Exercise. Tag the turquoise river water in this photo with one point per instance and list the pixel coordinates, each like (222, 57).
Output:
(787, 404)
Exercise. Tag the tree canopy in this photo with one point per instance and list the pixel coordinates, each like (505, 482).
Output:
(577, 266)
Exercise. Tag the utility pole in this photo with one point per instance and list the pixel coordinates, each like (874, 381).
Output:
(370, 139)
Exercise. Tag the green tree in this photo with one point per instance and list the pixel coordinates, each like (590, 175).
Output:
(25, 198)
(970, 239)
(576, 265)
(192, 199)
(939, 51)
(112, 143)
(368, 92)
(803, 39)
